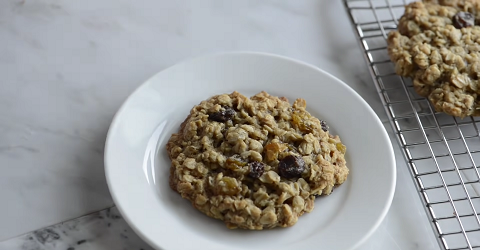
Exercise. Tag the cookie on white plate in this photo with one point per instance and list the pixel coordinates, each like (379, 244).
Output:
(255, 163)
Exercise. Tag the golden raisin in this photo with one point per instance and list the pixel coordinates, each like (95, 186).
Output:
(341, 148)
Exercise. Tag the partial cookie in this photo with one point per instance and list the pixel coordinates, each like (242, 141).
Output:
(255, 163)
(438, 45)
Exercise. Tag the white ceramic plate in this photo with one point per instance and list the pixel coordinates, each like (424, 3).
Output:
(137, 165)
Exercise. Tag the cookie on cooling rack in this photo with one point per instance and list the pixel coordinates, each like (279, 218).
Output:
(438, 45)
(255, 163)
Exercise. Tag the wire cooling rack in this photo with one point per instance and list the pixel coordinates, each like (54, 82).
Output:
(442, 152)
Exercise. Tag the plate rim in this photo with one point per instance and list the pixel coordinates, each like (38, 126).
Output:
(148, 81)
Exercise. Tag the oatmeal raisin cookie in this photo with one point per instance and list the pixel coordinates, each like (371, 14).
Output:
(437, 44)
(255, 163)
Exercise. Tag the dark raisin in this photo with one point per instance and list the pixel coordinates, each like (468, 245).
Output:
(324, 126)
(291, 166)
(229, 112)
(256, 169)
(223, 115)
(463, 20)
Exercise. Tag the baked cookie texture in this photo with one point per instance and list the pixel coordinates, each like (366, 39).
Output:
(255, 163)
(439, 48)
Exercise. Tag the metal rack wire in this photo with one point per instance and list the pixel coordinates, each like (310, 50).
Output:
(441, 150)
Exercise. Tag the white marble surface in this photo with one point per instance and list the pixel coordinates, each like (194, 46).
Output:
(66, 66)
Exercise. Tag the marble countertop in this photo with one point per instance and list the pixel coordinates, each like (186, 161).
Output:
(66, 67)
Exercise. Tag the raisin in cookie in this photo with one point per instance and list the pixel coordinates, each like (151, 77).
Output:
(255, 163)
(438, 45)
